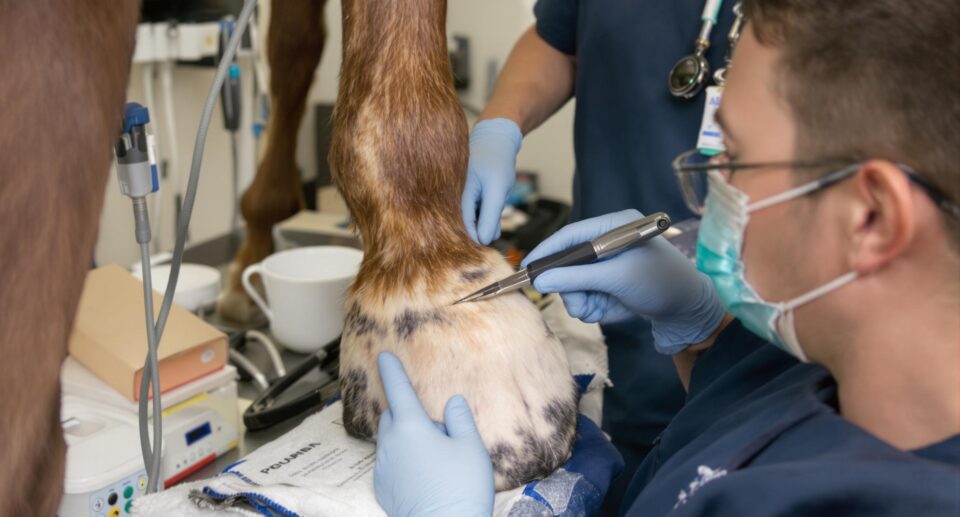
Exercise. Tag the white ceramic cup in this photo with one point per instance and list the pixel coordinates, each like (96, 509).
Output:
(306, 288)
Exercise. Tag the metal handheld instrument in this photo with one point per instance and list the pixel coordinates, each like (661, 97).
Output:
(606, 245)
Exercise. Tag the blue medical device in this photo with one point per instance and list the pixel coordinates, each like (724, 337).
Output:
(136, 164)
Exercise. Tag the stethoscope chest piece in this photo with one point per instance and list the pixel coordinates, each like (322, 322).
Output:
(689, 75)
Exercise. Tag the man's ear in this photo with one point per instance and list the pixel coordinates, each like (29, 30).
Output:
(882, 216)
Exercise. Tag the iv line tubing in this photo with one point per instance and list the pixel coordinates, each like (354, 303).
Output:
(151, 456)
(150, 369)
(142, 231)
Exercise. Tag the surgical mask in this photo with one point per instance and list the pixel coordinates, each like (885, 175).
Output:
(719, 247)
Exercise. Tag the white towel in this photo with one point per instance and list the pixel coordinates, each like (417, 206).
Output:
(315, 470)
(586, 354)
(175, 501)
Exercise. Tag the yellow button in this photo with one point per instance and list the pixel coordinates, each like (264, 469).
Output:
(142, 483)
(114, 512)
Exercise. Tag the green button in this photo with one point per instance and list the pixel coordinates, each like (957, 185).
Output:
(128, 492)
(128, 507)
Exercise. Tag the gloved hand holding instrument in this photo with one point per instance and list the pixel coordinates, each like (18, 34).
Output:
(606, 245)
(653, 280)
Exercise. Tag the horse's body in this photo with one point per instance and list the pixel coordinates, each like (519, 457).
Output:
(65, 70)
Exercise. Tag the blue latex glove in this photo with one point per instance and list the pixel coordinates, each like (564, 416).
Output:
(654, 280)
(491, 172)
(424, 468)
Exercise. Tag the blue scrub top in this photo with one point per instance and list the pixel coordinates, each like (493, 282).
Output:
(760, 435)
(627, 130)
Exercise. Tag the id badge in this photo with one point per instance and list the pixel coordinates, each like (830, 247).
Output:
(710, 139)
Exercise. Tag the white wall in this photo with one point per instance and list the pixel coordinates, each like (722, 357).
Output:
(212, 209)
(492, 27)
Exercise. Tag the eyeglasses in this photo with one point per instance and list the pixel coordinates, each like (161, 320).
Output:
(692, 167)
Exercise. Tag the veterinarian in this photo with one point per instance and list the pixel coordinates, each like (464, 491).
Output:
(819, 335)
(616, 57)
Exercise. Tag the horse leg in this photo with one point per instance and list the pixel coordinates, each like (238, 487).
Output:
(295, 41)
(66, 66)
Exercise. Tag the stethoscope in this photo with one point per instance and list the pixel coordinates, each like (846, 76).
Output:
(689, 75)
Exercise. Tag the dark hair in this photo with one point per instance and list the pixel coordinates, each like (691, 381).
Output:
(872, 79)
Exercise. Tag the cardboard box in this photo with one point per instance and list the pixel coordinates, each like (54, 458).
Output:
(330, 201)
(110, 337)
(321, 223)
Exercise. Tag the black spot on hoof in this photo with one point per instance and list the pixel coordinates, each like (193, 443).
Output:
(561, 413)
(535, 458)
(474, 275)
(501, 455)
(406, 324)
(353, 390)
(409, 322)
(359, 324)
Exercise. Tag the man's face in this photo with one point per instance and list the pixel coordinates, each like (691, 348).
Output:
(785, 253)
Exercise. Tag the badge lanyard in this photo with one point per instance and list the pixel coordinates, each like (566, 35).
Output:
(710, 138)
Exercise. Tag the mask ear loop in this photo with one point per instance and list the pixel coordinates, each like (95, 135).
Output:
(786, 327)
(787, 333)
(823, 290)
(806, 188)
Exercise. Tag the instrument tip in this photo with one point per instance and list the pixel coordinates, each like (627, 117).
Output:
(468, 298)
(479, 295)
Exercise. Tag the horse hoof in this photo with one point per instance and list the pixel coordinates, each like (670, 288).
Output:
(235, 305)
